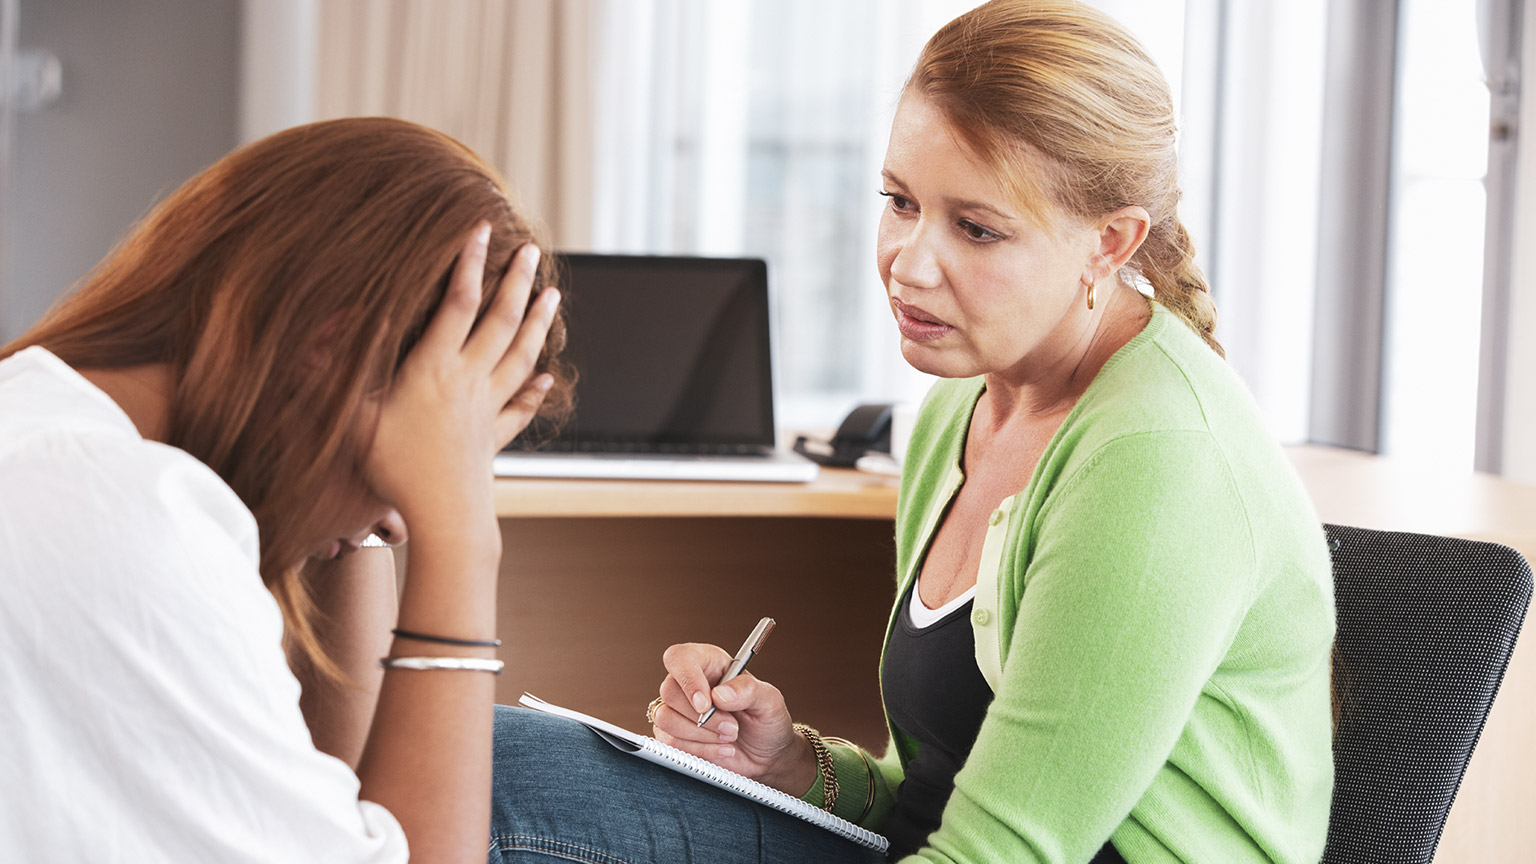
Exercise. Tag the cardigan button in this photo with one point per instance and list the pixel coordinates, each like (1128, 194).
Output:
(996, 518)
(980, 617)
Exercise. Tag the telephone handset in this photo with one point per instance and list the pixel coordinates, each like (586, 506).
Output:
(866, 429)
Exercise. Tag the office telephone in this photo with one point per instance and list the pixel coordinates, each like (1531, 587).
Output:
(866, 429)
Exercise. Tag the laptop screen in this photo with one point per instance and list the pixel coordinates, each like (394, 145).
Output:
(671, 353)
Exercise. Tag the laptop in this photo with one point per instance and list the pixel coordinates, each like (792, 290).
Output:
(674, 375)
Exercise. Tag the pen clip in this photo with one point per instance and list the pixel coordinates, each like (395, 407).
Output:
(759, 635)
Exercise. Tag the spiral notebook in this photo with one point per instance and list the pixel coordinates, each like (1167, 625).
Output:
(652, 750)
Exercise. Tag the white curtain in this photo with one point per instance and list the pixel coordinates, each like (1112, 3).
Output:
(709, 127)
(757, 128)
(511, 80)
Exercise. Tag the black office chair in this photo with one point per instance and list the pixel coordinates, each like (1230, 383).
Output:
(1425, 629)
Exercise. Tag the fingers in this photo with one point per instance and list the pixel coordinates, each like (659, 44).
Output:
(695, 666)
(679, 732)
(456, 317)
(518, 413)
(517, 361)
(687, 692)
(504, 341)
(691, 667)
(748, 732)
(677, 724)
(501, 322)
(746, 695)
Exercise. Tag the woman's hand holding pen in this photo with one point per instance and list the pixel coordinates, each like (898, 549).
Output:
(751, 731)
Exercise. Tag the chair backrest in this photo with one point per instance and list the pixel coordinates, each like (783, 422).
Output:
(1425, 628)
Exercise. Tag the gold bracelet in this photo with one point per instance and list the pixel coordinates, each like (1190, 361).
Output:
(823, 765)
(869, 800)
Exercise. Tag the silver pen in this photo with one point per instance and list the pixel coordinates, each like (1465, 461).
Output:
(749, 649)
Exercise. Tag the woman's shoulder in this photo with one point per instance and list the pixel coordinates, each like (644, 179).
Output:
(1170, 405)
(1167, 379)
(149, 562)
(77, 467)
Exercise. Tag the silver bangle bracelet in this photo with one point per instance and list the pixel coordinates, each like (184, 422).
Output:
(468, 664)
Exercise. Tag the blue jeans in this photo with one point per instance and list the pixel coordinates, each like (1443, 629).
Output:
(560, 793)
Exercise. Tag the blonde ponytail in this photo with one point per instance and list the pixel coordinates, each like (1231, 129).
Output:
(1167, 261)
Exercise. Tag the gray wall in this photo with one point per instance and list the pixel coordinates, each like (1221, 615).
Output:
(151, 92)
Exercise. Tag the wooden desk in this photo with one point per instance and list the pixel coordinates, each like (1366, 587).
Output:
(836, 494)
(599, 577)
(1351, 488)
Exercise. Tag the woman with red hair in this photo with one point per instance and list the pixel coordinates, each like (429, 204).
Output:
(324, 337)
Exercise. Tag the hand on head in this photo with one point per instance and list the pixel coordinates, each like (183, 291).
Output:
(464, 391)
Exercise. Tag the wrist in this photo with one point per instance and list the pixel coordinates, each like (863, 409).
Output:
(826, 771)
(467, 539)
(795, 772)
(451, 577)
(444, 507)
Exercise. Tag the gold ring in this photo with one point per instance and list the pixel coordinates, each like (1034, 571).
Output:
(651, 709)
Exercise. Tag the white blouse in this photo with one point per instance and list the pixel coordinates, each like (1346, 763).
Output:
(147, 712)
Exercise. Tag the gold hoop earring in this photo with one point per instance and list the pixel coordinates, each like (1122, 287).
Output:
(1090, 286)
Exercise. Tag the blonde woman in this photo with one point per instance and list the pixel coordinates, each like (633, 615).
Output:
(1113, 607)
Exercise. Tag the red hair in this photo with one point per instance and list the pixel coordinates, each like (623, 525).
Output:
(336, 237)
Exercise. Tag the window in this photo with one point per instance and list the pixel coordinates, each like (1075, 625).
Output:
(1350, 294)
(758, 127)
(1436, 240)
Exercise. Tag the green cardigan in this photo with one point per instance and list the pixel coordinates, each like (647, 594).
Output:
(1154, 614)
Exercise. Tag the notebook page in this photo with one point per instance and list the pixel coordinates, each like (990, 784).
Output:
(670, 757)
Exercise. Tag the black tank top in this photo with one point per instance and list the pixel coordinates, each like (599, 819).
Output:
(935, 694)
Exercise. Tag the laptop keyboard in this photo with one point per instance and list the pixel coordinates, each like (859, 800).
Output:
(636, 448)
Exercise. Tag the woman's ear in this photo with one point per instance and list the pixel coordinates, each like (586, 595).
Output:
(1121, 233)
